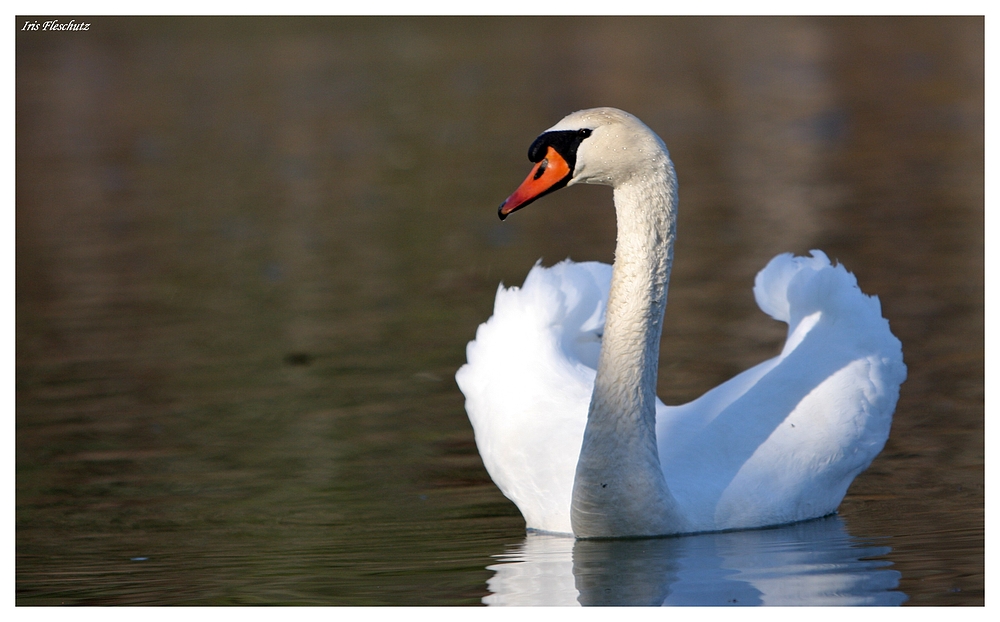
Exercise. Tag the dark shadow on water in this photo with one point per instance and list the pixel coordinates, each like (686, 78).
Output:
(815, 563)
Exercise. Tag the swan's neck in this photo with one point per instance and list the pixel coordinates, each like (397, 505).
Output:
(619, 488)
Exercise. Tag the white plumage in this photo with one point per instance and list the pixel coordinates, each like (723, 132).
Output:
(780, 442)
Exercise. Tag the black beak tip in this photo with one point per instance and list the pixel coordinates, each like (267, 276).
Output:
(500, 212)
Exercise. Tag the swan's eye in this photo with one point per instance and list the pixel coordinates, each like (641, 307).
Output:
(541, 168)
(585, 132)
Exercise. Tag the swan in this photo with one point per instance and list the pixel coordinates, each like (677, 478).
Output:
(560, 382)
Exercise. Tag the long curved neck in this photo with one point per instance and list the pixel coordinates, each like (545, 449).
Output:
(619, 488)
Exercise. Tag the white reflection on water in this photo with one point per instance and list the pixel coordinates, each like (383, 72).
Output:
(814, 563)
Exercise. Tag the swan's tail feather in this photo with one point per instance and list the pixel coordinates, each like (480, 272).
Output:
(790, 288)
(772, 284)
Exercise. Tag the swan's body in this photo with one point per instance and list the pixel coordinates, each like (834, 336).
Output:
(560, 382)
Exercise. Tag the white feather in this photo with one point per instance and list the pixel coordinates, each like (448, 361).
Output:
(781, 442)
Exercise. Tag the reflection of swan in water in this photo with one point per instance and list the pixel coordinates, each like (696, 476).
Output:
(560, 383)
(812, 563)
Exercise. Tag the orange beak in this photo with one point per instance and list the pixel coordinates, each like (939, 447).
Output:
(549, 175)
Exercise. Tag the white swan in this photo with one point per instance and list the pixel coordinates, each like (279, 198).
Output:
(560, 381)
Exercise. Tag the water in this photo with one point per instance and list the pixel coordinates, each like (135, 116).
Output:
(250, 254)
(815, 563)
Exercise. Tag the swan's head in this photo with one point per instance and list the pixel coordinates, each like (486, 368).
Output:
(603, 146)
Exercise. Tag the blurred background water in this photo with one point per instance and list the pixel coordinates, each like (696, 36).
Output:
(250, 253)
